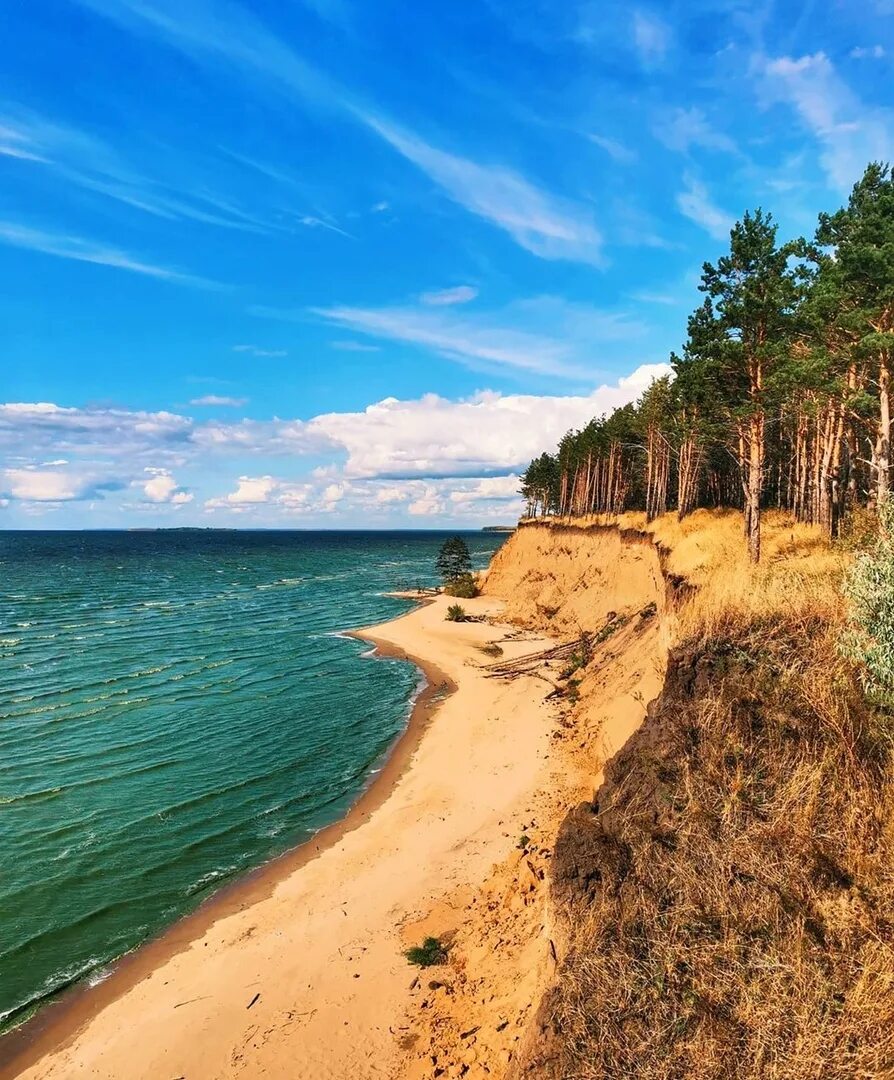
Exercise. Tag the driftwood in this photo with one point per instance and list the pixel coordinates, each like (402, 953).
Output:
(525, 665)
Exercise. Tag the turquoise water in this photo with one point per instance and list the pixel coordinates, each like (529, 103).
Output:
(176, 707)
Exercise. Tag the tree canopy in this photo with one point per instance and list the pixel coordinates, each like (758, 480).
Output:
(780, 394)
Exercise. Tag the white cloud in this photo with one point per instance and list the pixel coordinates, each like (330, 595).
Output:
(490, 433)
(44, 426)
(253, 492)
(161, 487)
(218, 399)
(544, 224)
(696, 204)
(850, 133)
(81, 250)
(54, 485)
(870, 52)
(651, 37)
(681, 129)
(457, 458)
(460, 294)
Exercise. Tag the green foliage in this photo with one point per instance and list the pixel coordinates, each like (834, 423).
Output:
(611, 627)
(523, 841)
(780, 396)
(465, 587)
(454, 560)
(869, 589)
(432, 951)
(577, 660)
(456, 613)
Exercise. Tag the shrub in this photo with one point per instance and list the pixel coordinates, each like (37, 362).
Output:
(456, 613)
(491, 649)
(432, 951)
(523, 842)
(465, 587)
(869, 588)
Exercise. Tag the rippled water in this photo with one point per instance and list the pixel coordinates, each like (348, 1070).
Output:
(176, 707)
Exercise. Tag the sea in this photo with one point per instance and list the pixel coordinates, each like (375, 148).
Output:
(177, 707)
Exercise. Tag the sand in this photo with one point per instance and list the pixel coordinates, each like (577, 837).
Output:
(301, 974)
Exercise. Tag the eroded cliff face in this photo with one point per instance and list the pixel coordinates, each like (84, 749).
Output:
(603, 590)
(606, 584)
(567, 579)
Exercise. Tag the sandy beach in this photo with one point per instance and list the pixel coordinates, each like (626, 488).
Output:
(299, 971)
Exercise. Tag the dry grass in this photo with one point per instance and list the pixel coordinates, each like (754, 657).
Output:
(730, 895)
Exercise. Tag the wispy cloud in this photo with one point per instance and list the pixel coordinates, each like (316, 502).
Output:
(461, 294)
(89, 251)
(219, 399)
(314, 222)
(256, 350)
(88, 162)
(850, 133)
(544, 224)
(354, 346)
(615, 150)
(544, 335)
(696, 204)
(681, 129)
(209, 30)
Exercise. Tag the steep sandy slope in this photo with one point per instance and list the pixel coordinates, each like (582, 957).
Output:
(470, 1017)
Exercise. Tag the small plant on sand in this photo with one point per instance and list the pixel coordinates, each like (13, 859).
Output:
(465, 587)
(456, 613)
(577, 660)
(523, 842)
(491, 649)
(432, 951)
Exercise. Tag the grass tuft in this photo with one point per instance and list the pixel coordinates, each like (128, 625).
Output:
(431, 952)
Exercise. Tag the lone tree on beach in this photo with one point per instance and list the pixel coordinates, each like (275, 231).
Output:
(454, 560)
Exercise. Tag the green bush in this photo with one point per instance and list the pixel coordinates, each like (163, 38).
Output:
(465, 587)
(456, 613)
(432, 951)
(869, 588)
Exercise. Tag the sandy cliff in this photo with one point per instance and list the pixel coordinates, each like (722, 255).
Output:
(608, 587)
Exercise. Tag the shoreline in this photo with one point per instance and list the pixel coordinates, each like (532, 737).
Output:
(58, 1022)
(332, 984)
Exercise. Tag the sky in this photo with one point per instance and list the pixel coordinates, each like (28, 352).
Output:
(332, 263)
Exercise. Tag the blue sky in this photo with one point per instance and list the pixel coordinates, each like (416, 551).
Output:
(322, 262)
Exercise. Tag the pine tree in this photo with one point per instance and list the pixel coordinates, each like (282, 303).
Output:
(753, 292)
(454, 560)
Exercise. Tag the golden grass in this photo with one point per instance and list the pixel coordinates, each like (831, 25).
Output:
(729, 897)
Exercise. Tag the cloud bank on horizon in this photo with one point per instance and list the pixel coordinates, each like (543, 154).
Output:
(442, 257)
